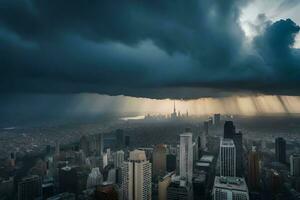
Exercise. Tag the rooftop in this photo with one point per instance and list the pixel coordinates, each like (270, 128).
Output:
(227, 142)
(231, 183)
(207, 158)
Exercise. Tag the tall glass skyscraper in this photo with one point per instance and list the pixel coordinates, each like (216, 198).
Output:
(227, 158)
(186, 156)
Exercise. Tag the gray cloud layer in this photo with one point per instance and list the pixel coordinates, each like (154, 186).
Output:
(156, 49)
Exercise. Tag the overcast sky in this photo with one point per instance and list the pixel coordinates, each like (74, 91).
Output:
(154, 49)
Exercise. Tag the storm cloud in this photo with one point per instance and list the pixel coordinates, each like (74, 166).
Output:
(156, 49)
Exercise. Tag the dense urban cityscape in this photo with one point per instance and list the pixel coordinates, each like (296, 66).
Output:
(195, 158)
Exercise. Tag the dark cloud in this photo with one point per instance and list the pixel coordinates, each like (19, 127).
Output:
(156, 49)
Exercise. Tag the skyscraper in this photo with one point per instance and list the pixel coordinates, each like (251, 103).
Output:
(159, 160)
(295, 165)
(227, 158)
(253, 169)
(238, 142)
(96, 144)
(229, 129)
(30, 188)
(217, 119)
(137, 177)
(186, 156)
(230, 188)
(118, 158)
(280, 150)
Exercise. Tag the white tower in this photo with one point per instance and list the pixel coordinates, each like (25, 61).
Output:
(186, 156)
(227, 158)
(137, 176)
(118, 158)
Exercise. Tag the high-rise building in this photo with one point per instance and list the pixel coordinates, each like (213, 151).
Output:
(229, 129)
(295, 165)
(30, 188)
(171, 162)
(227, 158)
(186, 156)
(137, 177)
(179, 189)
(238, 142)
(163, 185)
(226, 188)
(198, 147)
(159, 160)
(203, 141)
(95, 178)
(68, 179)
(96, 144)
(280, 149)
(118, 158)
(217, 119)
(253, 169)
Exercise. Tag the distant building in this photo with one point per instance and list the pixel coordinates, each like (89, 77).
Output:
(171, 162)
(136, 178)
(253, 169)
(295, 165)
(72, 179)
(280, 150)
(96, 144)
(229, 129)
(159, 160)
(230, 188)
(30, 188)
(217, 119)
(227, 158)
(205, 127)
(95, 178)
(118, 158)
(179, 189)
(174, 114)
(186, 156)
